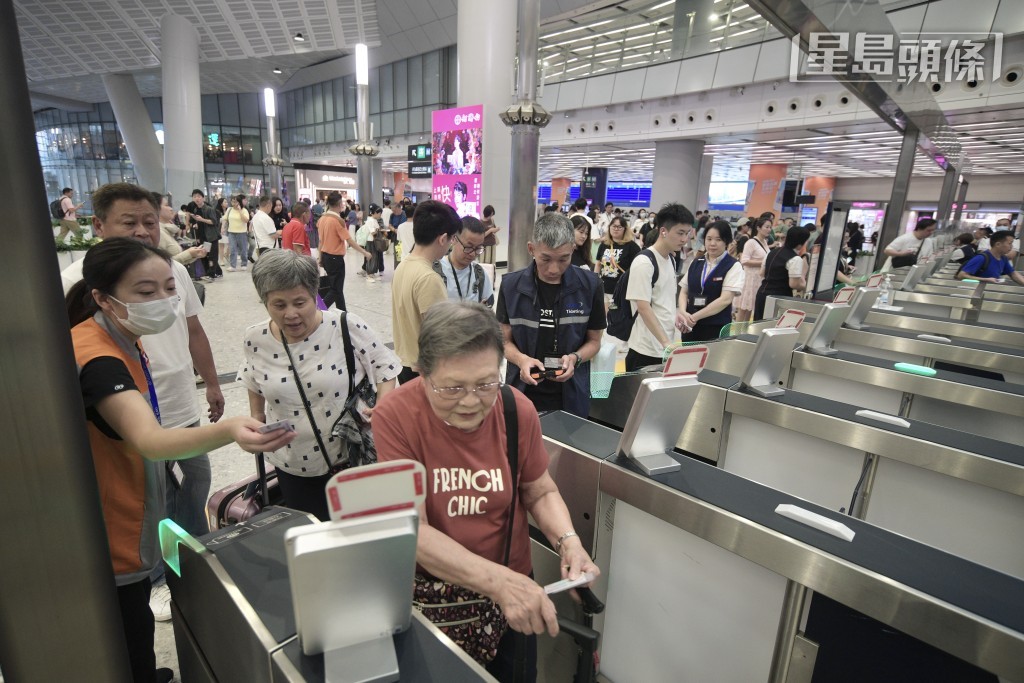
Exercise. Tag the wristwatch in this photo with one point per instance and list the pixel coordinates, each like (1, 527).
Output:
(579, 359)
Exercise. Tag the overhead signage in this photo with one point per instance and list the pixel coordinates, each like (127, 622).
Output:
(420, 169)
(340, 179)
(419, 152)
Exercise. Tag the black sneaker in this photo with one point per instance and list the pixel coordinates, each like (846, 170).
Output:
(163, 675)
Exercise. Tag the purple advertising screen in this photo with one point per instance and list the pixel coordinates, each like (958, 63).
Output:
(457, 158)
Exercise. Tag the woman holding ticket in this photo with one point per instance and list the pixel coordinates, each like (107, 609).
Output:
(128, 291)
(458, 419)
(296, 369)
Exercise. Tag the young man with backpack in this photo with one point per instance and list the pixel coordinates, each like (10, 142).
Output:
(993, 264)
(651, 288)
(466, 279)
(63, 209)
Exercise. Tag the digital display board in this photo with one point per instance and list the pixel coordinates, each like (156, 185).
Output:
(457, 158)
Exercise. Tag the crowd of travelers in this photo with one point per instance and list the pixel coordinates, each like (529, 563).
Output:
(470, 354)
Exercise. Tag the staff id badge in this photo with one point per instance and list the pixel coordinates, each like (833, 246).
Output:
(700, 301)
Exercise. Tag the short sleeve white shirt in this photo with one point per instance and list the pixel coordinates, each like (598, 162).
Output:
(320, 363)
(263, 230)
(906, 242)
(662, 297)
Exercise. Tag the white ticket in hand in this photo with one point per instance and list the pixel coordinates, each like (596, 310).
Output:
(281, 424)
(566, 584)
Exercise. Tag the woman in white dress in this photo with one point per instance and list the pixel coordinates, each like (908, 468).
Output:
(753, 256)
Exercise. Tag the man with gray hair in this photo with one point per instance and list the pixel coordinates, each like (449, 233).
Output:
(552, 319)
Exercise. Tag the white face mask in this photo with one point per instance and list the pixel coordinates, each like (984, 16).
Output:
(150, 317)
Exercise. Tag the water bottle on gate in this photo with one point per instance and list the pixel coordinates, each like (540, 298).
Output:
(885, 298)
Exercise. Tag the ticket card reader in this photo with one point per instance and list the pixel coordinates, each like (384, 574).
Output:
(351, 578)
(771, 357)
(656, 421)
(825, 329)
(916, 273)
(860, 305)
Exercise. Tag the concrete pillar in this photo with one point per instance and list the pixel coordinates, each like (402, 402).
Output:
(487, 52)
(377, 181)
(769, 182)
(183, 121)
(272, 154)
(677, 171)
(136, 129)
(704, 186)
(560, 190)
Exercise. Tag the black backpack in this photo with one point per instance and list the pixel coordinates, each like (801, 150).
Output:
(55, 210)
(620, 314)
(986, 254)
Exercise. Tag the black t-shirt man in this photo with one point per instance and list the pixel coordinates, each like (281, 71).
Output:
(547, 395)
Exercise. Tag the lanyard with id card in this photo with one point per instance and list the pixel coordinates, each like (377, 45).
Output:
(172, 466)
(552, 360)
(702, 301)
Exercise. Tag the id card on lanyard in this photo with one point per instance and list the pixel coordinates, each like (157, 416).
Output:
(172, 467)
(701, 301)
(144, 359)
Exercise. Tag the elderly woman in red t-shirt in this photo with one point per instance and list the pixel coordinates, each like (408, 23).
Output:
(451, 419)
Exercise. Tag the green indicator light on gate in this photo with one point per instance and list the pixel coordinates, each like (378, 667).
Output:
(916, 369)
(171, 535)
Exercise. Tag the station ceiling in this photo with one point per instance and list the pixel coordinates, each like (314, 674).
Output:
(69, 45)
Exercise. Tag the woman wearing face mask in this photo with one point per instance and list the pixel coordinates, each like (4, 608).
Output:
(638, 222)
(128, 291)
(711, 283)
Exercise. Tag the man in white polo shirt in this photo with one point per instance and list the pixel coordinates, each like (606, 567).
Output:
(264, 229)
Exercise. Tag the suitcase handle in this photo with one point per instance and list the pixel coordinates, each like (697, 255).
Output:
(261, 471)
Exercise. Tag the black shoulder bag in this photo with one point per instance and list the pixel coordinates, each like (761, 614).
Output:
(904, 261)
(473, 621)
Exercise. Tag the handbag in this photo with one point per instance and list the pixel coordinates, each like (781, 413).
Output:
(473, 621)
(357, 447)
(904, 261)
(380, 239)
(352, 454)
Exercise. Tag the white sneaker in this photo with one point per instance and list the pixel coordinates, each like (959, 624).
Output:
(160, 603)
(380, 277)
(230, 269)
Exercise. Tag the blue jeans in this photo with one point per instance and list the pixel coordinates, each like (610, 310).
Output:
(187, 505)
(239, 245)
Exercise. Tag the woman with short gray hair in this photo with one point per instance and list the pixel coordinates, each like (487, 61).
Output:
(474, 545)
(296, 369)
